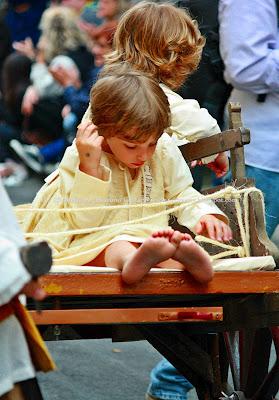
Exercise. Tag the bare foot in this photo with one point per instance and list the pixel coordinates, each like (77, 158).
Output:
(157, 248)
(194, 258)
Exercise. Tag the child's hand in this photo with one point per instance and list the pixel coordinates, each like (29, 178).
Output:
(66, 110)
(30, 98)
(213, 228)
(65, 76)
(26, 48)
(34, 290)
(220, 165)
(89, 146)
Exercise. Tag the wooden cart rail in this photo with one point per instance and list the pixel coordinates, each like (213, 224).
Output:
(160, 283)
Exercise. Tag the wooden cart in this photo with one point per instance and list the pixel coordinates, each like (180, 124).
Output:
(200, 329)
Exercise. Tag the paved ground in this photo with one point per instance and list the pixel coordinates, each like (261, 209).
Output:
(95, 369)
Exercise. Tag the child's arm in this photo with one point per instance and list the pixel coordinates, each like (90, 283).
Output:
(203, 217)
(190, 123)
(89, 147)
(220, 165)
(83, 184)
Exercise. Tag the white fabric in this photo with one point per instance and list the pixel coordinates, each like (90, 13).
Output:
(15, 363)
(229, 264)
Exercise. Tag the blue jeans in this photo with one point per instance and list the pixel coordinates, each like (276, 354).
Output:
(167, 383)
(268, 183)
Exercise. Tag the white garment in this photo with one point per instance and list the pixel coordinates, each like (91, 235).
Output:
(15, 362)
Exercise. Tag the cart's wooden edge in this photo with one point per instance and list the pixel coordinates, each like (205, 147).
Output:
(159, 283)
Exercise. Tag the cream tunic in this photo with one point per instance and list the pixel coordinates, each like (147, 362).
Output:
(166, 176)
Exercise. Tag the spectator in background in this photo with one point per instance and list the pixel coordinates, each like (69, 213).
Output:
(60, 36)
(15, 81)
(5, 43)
(43, 130)
(251, 58)
(76, 94)
(109, 11)
(22, 18)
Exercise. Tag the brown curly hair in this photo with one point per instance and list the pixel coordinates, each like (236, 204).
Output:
(129, 102)
(160, 39)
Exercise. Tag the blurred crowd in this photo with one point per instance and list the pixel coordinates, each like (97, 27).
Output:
(51, 53)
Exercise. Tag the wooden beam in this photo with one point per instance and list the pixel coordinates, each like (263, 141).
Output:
(226, 140)
(128, 315)
(159, 283)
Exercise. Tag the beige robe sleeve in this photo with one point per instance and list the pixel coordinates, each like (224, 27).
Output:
(80, 190)
(178, 185)
(189, 122)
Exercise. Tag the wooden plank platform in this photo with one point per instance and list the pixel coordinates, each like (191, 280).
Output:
(160, 283)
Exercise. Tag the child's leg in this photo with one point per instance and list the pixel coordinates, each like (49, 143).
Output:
(136, 262)
(194, 259)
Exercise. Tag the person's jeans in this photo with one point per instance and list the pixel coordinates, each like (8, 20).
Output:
(268, 183)
(167, 383)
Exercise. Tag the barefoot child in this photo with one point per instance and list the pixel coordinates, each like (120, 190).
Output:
(124, 158)
(163, 40)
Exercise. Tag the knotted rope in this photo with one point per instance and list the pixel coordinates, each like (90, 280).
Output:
(228, 193)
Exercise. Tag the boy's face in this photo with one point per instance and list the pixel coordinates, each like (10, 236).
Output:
(130, 152)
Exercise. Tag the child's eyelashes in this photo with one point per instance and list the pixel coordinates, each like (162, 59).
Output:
(134, 147)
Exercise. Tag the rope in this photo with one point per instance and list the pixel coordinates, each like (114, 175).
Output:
(227, 193)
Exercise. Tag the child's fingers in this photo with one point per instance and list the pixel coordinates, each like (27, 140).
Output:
(82, 126)
(209, 229)
(99, 140)
(86, 129)
(199, 228)
(227, 232)
(194, 164)
(218, 231)
(209, 225)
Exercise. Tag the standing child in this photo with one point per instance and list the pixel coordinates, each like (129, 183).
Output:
(163, 40)
(123, 159)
